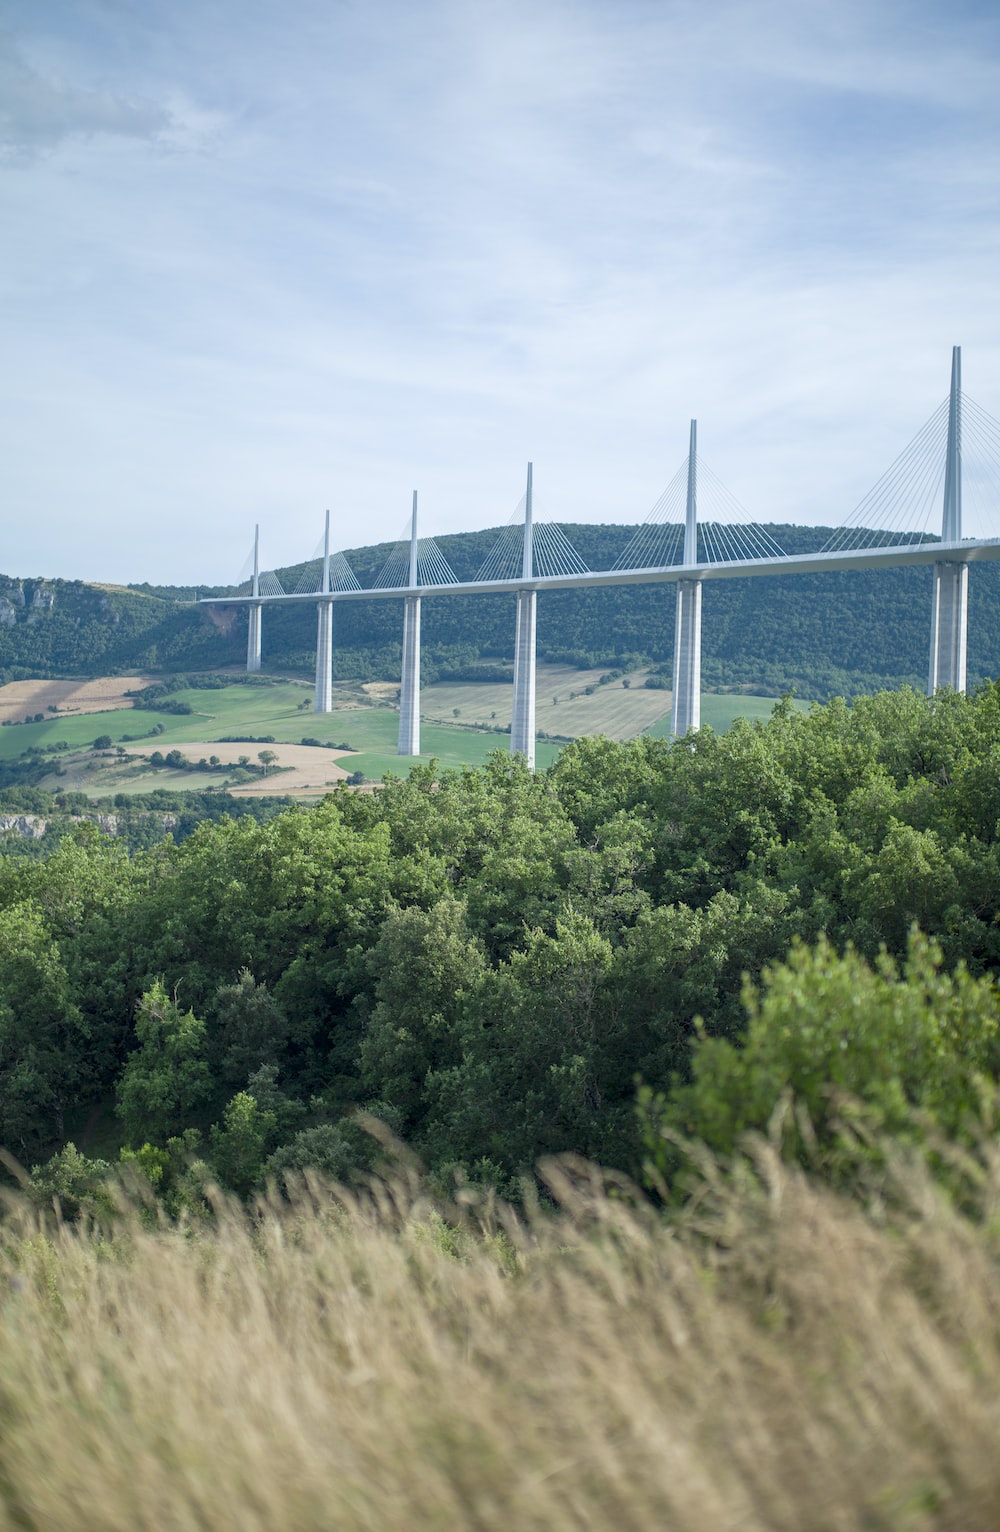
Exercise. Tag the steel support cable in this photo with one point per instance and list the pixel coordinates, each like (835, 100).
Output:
(923, 473)
(761, 542)
(395, 572)
(983, 436)
(432, 566)
(733, 537)
(983, 460)
(342, 576)
(901, 522)
(885, 492)
(651, 538)
(984, 433)
(545, 558)
(718, 502)
(979, 463)
(708, 541)
(499, 562)
(553, 547)
(396, 569)
(981, 480)
(883, 510)
(311, 577)
(871, 508)
(741, 541)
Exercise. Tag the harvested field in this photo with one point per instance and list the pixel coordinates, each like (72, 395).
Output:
(18, 699)
(312, 770)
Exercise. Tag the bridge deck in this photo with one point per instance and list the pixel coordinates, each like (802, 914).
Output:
(800, 563)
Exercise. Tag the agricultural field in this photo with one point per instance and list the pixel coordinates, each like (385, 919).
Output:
(463, 723)
(26, 699)
(366, 728)
(720, 710)
(562, 703)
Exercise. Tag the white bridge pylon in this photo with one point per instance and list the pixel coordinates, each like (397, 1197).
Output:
(533, 557)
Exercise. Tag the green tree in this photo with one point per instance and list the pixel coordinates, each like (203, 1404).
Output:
(43, 1036)
(531, 1079)
(829, 1034)
(73, 1183)
(425, 962)
(167, 1078)
(239, 1146)
(250, 1029)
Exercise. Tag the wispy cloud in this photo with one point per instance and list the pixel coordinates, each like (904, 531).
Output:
(265, 260)
(40, 111)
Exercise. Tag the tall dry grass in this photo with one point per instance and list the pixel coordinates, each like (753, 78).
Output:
(781, 1359)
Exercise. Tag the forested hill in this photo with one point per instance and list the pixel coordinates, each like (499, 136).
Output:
(821, 634)
(69, 628)
(486, 960)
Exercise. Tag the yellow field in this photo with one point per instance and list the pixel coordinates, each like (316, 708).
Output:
(307, 771)
(21, 698)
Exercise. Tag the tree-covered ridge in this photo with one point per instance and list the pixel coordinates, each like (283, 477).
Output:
(70, 628)
(823, 634)
(487, 960)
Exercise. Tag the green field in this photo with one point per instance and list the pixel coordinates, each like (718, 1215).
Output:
(261, 710)
(371, 729)
(721, 710)
(562, 703)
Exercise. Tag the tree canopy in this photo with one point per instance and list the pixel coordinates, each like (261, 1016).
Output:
(491, 961)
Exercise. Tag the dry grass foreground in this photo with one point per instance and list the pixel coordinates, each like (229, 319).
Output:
(18, 698)
(783, 1362)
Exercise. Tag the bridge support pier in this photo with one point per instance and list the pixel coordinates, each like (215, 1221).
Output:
(950, 601)
(409, 690)
(686, 712)
(949, 627)
(409, 684)
(522, 723)
(253, 638)
(323, 702)
(253, 611)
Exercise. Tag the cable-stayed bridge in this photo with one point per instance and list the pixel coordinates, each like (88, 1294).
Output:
(956, 453)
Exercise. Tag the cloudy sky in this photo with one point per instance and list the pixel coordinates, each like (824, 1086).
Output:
(261, 259)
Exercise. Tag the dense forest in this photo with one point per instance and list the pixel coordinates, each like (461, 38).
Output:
(644, 941)
(823, 634)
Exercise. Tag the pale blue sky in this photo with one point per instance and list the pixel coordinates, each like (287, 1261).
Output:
(260, 260)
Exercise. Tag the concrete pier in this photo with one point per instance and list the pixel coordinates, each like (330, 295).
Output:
(950, 594)
(409, 686)
(949, 628)
(522, 726)
(253, 639)
(253, 611)
(686, 711)
(323, 702)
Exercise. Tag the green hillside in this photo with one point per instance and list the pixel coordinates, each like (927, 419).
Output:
(821, 634)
